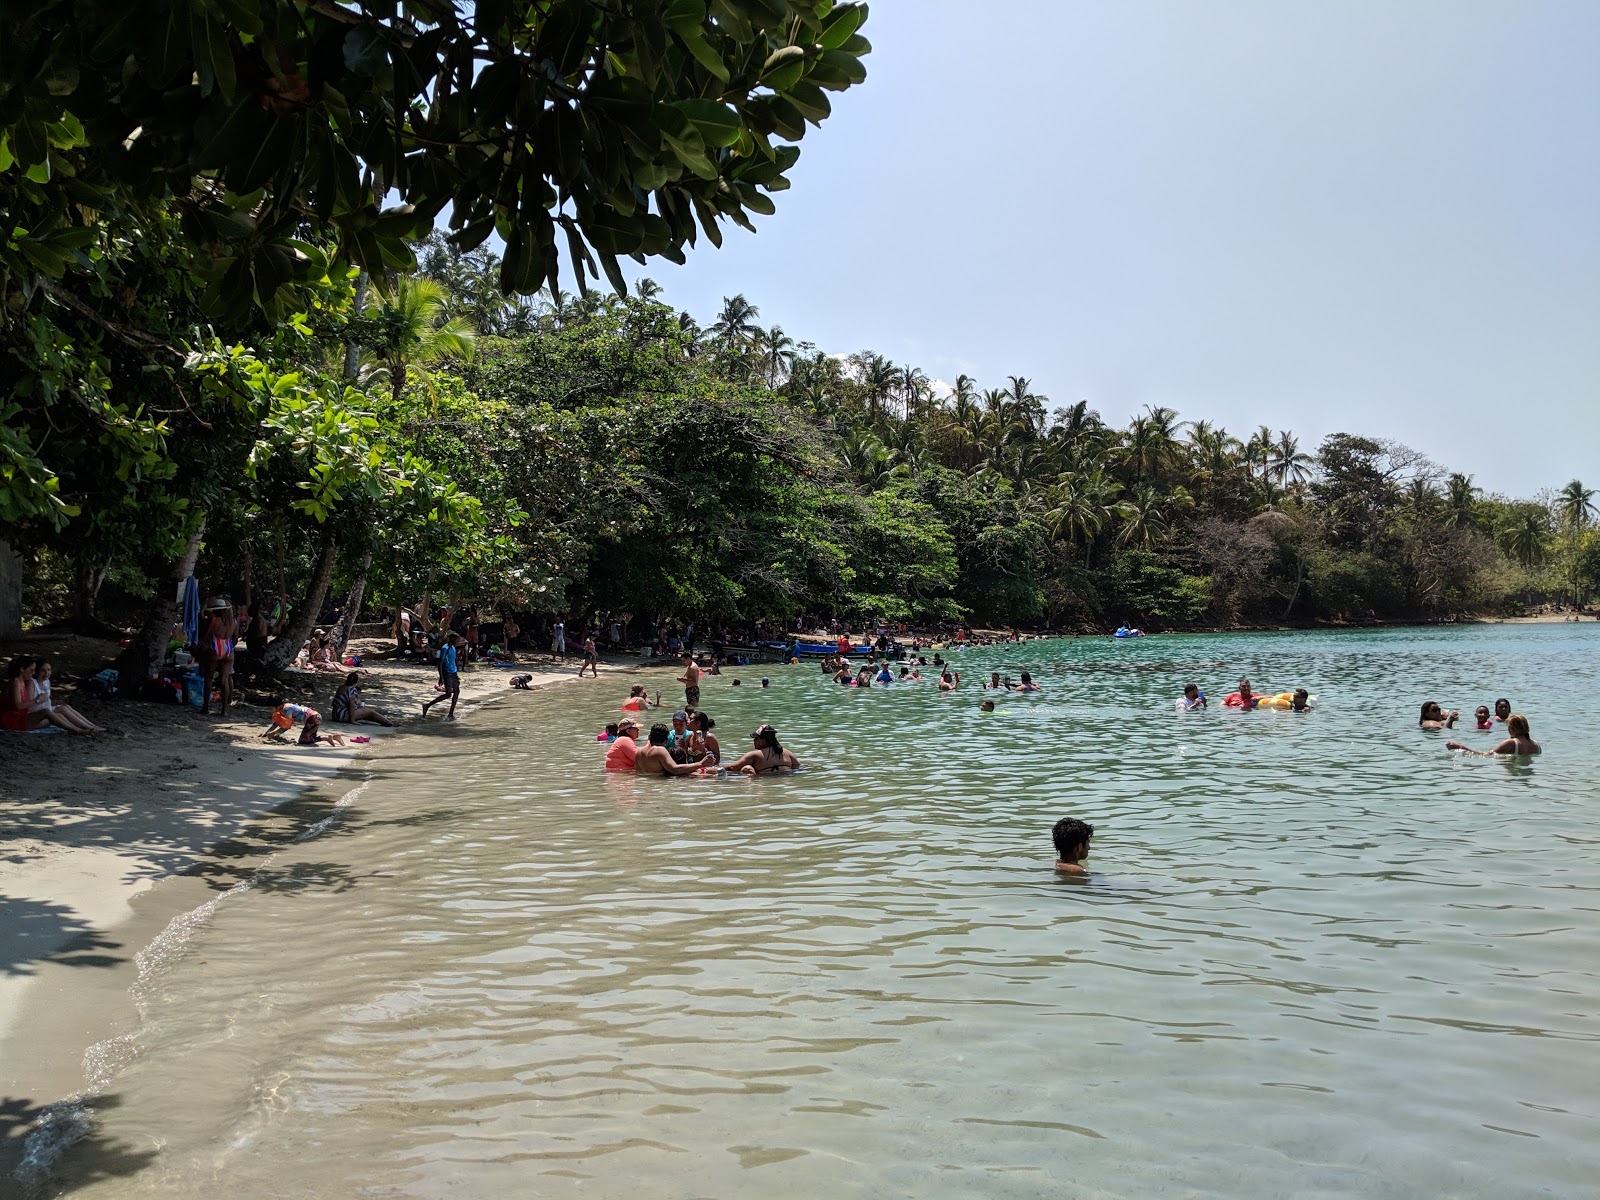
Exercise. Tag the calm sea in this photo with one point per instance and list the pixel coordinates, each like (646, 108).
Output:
(1318, 954)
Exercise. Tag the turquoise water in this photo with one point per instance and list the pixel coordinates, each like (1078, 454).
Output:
(1318, 955)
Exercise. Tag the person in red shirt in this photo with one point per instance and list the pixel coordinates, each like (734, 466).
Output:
(622, 752)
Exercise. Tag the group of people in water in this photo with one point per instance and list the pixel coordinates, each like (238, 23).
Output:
(1517, 741)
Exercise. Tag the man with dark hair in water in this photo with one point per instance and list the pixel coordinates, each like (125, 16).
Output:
(655, 759)
(1071, 837)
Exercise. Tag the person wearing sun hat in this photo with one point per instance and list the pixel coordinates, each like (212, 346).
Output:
(219, 626)
(622, 752)
(768, 757)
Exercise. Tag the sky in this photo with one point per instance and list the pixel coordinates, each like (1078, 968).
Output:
(1367, 217)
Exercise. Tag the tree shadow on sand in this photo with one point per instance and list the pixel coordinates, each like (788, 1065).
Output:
(39, 931)
(57, 1149)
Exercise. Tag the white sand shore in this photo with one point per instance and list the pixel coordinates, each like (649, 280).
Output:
(90, 826)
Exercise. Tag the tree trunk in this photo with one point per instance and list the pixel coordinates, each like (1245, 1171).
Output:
(142, 659)
(1299, 582)
(281, 650)
(88, 578)
(352, 605)
(352, 352)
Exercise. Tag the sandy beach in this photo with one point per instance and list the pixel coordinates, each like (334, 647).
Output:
(106, 840)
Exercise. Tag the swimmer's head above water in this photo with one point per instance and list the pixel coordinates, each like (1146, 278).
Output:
(1071, 837)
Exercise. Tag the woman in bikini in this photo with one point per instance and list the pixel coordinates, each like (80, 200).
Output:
(1518, 740)
(768, 758)
(214, 651)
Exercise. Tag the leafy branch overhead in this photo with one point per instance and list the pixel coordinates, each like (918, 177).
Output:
(576, 129)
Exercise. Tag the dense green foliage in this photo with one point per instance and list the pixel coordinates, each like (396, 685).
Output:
(606, 454)
(186, 168)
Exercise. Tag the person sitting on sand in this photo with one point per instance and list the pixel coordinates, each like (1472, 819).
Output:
(18, 712)
(1482, 717)
(322, 656)
(1071, 837)
(656, 759)
(1518, 740)
(624, 748)
(1027, 684)
(768, 758)
(61, 715)
(1193, 698)
(285, 714)
(1502, 709)
(1434, 717)
(347, 706)
(521, 682)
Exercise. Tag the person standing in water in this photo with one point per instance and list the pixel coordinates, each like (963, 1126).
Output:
(691, 681)
(1071, 837)
(1518, 740)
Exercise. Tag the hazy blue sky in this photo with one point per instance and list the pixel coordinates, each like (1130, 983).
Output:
(1369, 216)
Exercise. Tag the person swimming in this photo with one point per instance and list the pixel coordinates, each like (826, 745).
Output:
(1193, 698)
(1484, 720)
(1434, 717)
(986, 706)
(1518, 740)
(1301, 701)
(1027, 684)
(1502, 709)
(1071, 837)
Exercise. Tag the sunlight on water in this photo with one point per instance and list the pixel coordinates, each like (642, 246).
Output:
(1319, 955)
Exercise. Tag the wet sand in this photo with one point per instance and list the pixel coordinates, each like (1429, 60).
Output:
(105, 839)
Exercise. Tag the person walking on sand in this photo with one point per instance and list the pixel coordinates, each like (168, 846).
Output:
(591, 658)
(448, 671)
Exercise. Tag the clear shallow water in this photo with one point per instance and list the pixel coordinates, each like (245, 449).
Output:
(1319, 955)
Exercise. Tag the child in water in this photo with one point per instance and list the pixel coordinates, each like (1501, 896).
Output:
(1071, 837)
(1483, 718)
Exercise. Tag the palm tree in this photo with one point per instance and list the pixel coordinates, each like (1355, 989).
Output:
(1575, 504)
(1144, 517)
(735, 326)
(879, 377)
(1288, 462)
(777, 349)
(1080, 505)
(1461, 499)
(1526, 538)
(414, 332)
